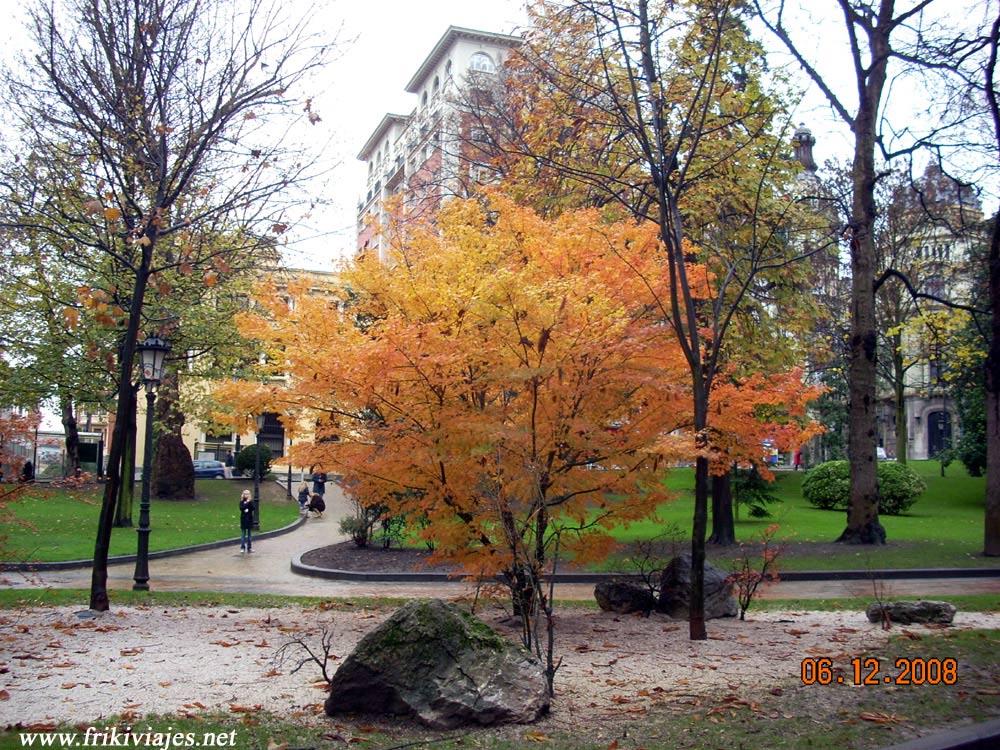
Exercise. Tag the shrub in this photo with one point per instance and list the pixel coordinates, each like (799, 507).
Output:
(828, 486)
(898, 488)
(753, 491)
(359, 529)
(246, 460)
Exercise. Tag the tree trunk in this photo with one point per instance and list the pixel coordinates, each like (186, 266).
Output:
(696, 612)
(173, 469)
(902, 443)
(863, 526)
(72, 433)
(126, 493)
(723, 525)
(99, 575)
(991, 544)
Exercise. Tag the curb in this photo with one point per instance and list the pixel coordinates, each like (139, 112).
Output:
(313, 571)
(176, 552)
(982, 736)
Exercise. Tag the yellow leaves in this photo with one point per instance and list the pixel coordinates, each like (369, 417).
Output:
(211, 278)
(536, 736)
(71, 316)
(112, 214)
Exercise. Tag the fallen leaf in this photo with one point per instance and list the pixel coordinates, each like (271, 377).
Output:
(130, 651)
(877, 717)
(536, 736)
(238, 709)
(224, 644)
(4, 695)
(272, 745)
(166, 683)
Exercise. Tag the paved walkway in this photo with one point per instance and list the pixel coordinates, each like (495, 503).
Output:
(267, 571)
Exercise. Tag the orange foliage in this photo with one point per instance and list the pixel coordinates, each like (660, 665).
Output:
(503, 377)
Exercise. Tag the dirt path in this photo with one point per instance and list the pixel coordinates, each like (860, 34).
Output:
(57, 667)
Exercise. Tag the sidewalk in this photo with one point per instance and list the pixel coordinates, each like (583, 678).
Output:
(268, 571)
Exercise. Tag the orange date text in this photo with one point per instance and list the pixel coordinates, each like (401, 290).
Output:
(869, 671)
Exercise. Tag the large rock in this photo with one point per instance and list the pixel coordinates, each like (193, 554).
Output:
(443, 666)
(908, 613)
(624, 597)
(675, 590)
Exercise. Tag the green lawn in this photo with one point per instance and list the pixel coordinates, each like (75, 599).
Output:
(943, 529)
(52, 525)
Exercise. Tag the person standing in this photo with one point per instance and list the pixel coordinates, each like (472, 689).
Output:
(246, 521)
(319, 483)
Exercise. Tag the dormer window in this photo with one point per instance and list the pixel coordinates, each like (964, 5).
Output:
(482, 63)
(447, 68)
(423, 100)
(437, 85)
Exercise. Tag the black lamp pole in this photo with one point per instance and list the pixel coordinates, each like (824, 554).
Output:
(152, 352)
(256, 475)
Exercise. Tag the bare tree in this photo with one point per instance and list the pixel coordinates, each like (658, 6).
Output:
(164, 107)
(886, 46)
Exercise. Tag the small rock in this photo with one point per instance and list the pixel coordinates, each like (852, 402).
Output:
(909, 613)
(441, 665)
(675, 590)
(624, 597)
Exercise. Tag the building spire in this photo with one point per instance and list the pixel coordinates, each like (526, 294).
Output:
(804, 142)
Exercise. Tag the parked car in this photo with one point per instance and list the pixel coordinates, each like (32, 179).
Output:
(209, 469)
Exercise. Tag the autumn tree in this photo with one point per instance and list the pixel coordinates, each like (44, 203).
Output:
(503, 377)
(659, 111)
(164, 108)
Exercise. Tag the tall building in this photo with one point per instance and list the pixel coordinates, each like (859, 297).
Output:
(934, 226)
(419, 156)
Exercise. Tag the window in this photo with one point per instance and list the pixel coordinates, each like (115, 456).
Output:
(437, 85)
(371, 168)
(482, 63)
(447, 68)
(423, 100)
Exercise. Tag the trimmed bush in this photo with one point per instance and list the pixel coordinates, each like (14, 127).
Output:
(828, 486)
(246, 460)
(898, 488)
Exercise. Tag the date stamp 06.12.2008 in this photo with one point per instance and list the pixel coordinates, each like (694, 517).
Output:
(869, 671)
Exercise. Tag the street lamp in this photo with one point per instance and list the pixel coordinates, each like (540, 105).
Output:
(256, 474)
(152, 352)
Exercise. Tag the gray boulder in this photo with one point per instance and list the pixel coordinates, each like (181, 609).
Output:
(675, 590)
(624, 597)
(441, 665)
(908, 613)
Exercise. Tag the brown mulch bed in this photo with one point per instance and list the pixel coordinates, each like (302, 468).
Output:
(374, 559)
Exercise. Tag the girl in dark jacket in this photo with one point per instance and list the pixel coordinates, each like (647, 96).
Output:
(246, 521)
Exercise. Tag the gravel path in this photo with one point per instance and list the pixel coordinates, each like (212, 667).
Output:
(56, 666)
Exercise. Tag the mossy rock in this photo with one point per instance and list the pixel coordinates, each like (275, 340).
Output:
(442, 666)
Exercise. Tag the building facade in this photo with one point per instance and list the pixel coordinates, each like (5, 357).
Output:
(419, 156)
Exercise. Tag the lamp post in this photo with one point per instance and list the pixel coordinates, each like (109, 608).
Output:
(152, 352)
(256, 474)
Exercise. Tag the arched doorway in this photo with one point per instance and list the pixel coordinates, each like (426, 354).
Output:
(938, 432)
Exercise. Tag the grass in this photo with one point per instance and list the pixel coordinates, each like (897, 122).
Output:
(943, 529)
(782, 715)
(50, 525)
(22, 598)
